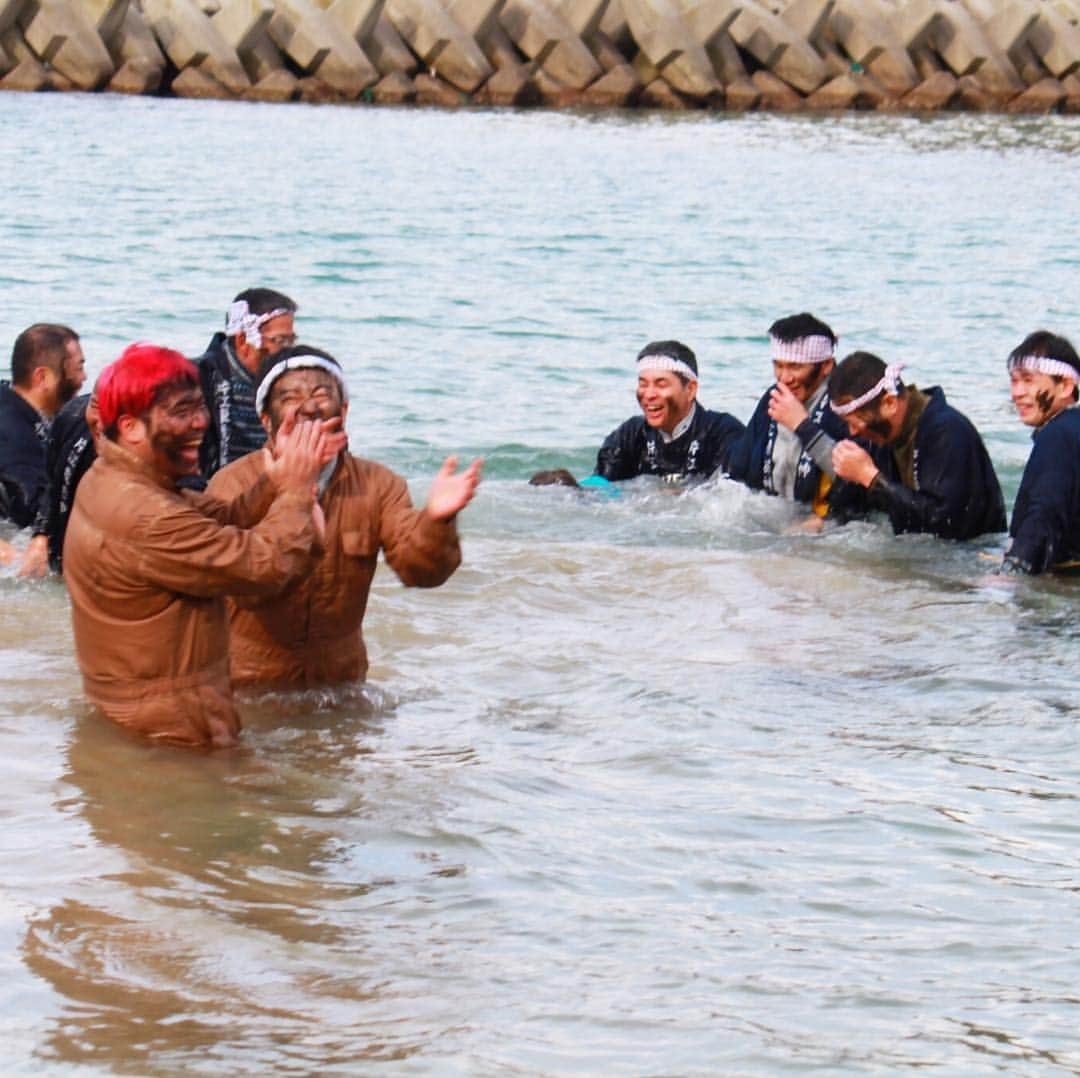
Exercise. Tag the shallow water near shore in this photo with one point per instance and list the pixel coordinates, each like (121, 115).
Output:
(655, 784)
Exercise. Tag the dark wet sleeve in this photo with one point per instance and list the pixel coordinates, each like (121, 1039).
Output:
(23, 478)
(740, 450)
(618, 456)
(729, 438)
(954, 488)
(1045, 506)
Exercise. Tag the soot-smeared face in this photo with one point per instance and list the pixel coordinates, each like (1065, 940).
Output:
(1039, 397)
(803, 379)
(307, 393)
(665, 400)
(175, 428)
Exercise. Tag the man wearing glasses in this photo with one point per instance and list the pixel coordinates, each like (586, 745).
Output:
(258, 325)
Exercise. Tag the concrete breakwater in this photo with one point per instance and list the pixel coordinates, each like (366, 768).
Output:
(776, 55)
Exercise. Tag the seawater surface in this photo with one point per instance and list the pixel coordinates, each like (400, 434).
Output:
(654, 785)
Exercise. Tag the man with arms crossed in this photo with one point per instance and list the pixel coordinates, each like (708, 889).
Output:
(309, 634)
(1044, 372)
(927, 468)
(148, 565)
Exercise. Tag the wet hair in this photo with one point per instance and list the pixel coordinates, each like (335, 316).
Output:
(44, 344)
(265, 300)
(674, 349)
(135, 382)
(795, 326)
(553, 477)
(1047, 344)
(857, 374)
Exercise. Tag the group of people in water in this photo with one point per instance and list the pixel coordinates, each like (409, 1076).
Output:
(214, 531)
(849, 438)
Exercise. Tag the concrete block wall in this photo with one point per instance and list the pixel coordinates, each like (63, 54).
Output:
(782, 55)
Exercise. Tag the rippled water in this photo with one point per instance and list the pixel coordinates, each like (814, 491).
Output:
(651, 786)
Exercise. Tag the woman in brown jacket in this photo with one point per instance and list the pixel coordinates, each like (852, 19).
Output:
(309, 634)
(148, 565)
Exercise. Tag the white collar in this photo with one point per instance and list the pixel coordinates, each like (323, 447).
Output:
(682, 428)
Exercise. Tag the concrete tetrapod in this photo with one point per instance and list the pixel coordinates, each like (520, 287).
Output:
(1056, 41)
(190, 40)
(440, 42)
(775, 45)
(865, 31)
(140, 63)
(63, 37)
(320, 47)
(548, 39)
(673, 47)
(356, 17)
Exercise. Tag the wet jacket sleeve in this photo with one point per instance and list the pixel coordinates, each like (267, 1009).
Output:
(818, 445)
(726, 440)
(422, 551)
(1045, 505)
(188, 551)
(23, 478)
(951, 501)
(243, 504)
(46, 518)
(745, 452)
(619, 456)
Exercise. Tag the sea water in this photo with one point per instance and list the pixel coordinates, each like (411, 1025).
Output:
(654, 784)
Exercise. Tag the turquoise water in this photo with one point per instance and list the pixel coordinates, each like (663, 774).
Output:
(651, 786)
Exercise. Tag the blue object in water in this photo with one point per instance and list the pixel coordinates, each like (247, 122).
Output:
(598, 482)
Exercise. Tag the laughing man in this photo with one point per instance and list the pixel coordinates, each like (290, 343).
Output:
(674, 436)
(310, 634)
(148, 564)
(1044, 372)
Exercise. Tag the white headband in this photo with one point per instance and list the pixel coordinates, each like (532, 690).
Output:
(660, 362)
(890, 383)
(802, 349)
(1045, 365)
(241, 320)
(294, 363)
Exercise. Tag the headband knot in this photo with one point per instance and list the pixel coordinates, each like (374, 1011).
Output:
(240, 319)
(890, 383)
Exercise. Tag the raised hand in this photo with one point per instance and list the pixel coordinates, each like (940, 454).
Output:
(298, 454)
(853, 463)
(451, 491)
(35, 560)
(785, 407)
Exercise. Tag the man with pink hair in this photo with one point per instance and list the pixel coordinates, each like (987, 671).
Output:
(148, 565)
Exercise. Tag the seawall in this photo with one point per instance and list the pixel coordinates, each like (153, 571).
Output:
(783, 55)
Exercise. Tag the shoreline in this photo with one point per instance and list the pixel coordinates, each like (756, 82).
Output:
(798, 56)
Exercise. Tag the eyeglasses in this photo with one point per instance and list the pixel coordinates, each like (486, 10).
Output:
(280, 340)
